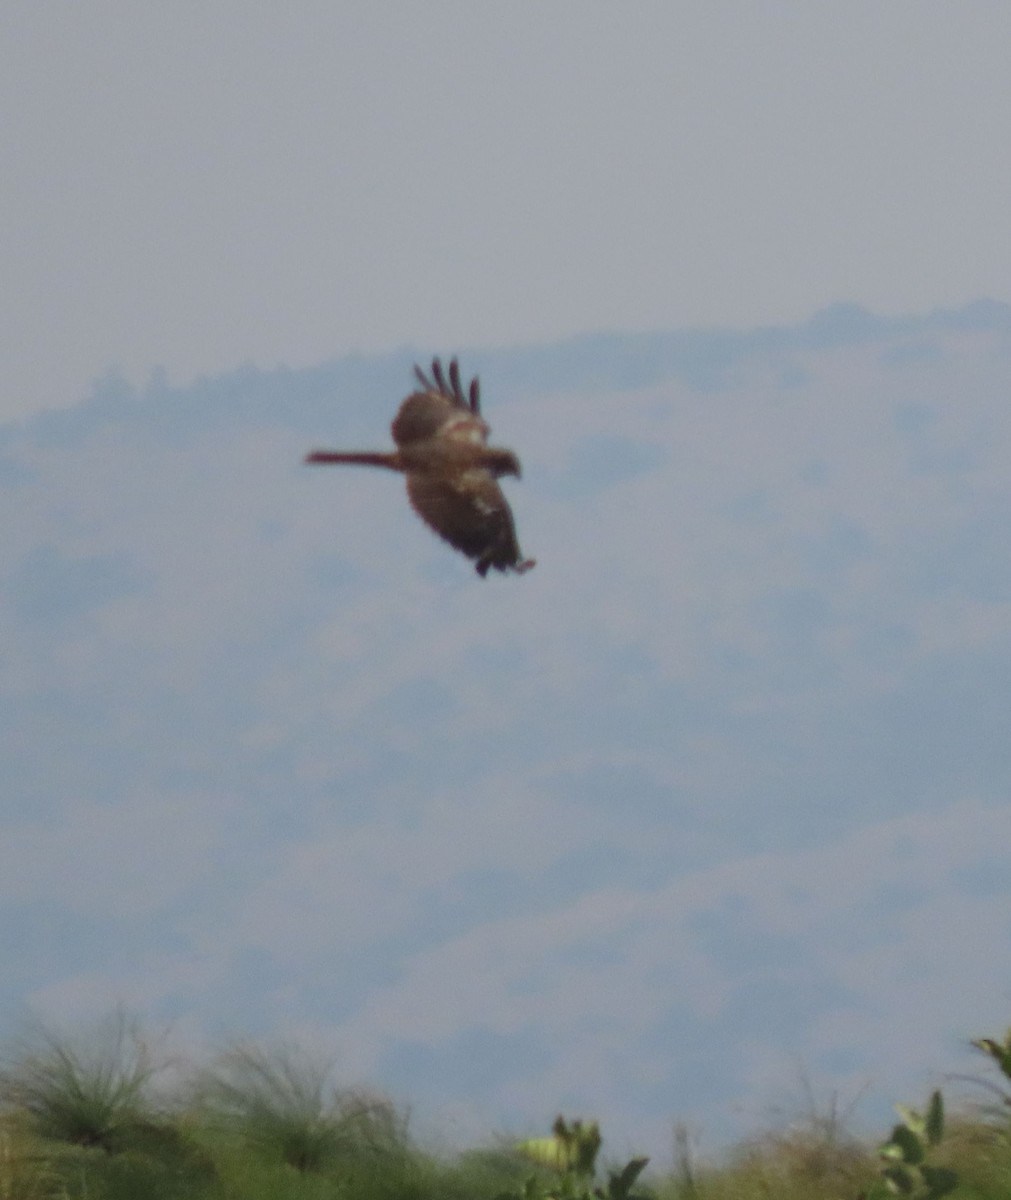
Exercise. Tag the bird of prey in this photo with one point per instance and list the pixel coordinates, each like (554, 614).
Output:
(451, 471)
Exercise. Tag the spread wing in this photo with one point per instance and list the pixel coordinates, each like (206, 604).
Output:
(470, 512)
(441, 409)
(454, 389)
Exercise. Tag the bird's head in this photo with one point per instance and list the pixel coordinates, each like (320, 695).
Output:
(502, 462)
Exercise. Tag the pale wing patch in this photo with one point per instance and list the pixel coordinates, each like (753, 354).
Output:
(462, 427)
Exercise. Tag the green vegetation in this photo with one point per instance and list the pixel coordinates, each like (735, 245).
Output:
(84, 1119)
(570, 1154)
(88, 1094)
(278, 1104)
(904, 1168)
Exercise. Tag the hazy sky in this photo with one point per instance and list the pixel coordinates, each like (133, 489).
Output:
(196, 186)
(713, 792)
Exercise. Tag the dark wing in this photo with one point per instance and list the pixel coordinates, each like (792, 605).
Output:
(470, 512)
(422, 415)
(473, 400)
(440, 408)
(453, 390)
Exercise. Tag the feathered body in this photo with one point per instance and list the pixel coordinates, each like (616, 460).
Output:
(451, 471)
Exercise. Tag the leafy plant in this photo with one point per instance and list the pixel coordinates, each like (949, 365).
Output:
(571, 1154)
(1000, 1053)
(904, 1169)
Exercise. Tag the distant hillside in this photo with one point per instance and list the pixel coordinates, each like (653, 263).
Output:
(717, 791)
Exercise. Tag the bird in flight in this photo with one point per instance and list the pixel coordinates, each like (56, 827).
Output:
(452, 473)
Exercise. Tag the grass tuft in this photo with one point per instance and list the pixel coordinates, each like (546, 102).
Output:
(280, 1102)
(92, 1091)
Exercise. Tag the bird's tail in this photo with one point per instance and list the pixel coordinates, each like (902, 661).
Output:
(363, 458)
